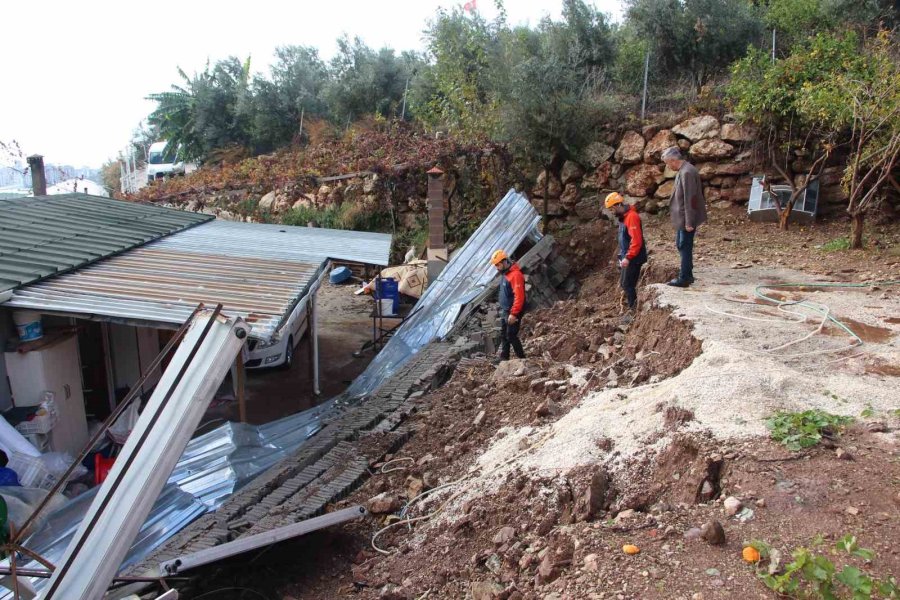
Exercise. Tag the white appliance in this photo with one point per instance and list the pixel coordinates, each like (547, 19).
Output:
(54, 367)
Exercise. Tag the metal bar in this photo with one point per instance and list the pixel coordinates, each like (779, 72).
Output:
(241, 397)
(152, 450)
(646, 76)
(260, 540)
(133, 393)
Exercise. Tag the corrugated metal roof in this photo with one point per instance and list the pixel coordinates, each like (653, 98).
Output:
(310, 244)
(48, 235)
(258, 272)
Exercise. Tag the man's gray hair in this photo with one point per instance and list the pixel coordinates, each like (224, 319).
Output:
(672, 153)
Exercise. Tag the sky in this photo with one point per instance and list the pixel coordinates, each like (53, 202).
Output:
(74, 84)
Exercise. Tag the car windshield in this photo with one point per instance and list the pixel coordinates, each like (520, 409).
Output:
(161, 158)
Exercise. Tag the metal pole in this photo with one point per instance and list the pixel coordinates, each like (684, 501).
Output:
(773, 44)
(302, 113)
(241, 396)
(405, 91)
(646, 75)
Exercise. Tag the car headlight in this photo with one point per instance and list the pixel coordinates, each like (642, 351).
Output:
(260, 344)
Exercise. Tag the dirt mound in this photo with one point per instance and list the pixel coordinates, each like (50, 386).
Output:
(589, 248)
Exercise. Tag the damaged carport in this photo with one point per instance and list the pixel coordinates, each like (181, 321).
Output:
(312, 472)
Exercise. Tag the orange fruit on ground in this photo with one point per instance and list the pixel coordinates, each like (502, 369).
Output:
(750, 554)
(630, 549)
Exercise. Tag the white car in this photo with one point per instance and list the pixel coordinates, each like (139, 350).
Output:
(278, 352)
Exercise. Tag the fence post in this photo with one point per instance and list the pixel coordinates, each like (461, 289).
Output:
(646, 73)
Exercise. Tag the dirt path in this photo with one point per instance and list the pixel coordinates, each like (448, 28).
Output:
(637, 434)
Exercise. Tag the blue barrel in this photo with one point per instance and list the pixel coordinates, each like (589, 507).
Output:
(340, 275)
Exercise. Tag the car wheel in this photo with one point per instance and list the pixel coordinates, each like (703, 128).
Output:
(289, 354)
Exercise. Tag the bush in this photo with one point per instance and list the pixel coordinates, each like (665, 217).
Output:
(805, 429)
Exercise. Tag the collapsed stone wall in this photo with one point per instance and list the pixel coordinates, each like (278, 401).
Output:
(628, 161)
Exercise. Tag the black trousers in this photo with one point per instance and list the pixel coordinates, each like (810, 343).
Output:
(509, 336)
(628, 278)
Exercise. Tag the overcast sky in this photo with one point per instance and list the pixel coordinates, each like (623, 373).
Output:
(76, 72)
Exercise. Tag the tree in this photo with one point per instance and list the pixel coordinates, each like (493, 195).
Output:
(863, 101)
(699, 38)
(110, 174)
(795, 20)
(770, 94)
(210, 110)
(294, 90)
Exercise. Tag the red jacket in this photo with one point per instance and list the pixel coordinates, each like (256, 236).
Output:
(512, 291)
(632, 234)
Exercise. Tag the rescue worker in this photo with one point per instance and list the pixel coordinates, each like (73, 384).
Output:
(632, 250)
(687, 207)
(512, 303)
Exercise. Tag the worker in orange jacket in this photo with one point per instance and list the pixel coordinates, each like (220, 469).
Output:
(512, 303)
(632, 250)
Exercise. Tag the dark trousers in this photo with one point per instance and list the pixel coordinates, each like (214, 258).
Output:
(509, 336)
(684, 241)
(628, 279)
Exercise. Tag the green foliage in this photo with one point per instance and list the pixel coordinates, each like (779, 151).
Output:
(805, 429)
(697, 38)
(837, 244)
(813, 575)
(347, 215)
(110, 173)
(795, 20)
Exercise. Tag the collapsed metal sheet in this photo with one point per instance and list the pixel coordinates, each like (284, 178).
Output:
(465, 276)
(212, 467)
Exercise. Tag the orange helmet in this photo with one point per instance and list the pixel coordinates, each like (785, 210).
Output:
(497, 257)
(613, 199)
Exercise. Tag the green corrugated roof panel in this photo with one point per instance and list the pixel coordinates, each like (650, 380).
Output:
(48, 235)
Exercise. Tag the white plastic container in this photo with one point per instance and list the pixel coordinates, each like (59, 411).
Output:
(28, 325)
(387, 307)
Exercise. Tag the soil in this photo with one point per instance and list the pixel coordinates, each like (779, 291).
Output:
(534, 514)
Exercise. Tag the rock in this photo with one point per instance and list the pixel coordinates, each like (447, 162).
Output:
(506, 534)
(842, 454)
(543, 410)
(597, 153)
(852, 510)
(588, 208)
(631, 148)
(626, 515)
(554, 186)
(761, 503)
(735, 132)
(569, 196)
(594, 499)
(707, 491)
(648, 131)
(369, 184)
(698, 128)
(267, 202)
(711, 149)
(547, 571)
(684, 145)
(694, 533)
(486, 590)
(303, 202)
(414, 486)
(713, 533)
(642, 180)
(383, 503)
(570, 172)
(479, 419)
(734, 168)
(599, 178)
(732, 506)
(661, 141)
(665, 190)
(591, 563)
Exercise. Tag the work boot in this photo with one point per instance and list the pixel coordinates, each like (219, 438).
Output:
(679, 283)
(626, 319)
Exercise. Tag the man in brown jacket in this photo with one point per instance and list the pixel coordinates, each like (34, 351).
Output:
(688, 210)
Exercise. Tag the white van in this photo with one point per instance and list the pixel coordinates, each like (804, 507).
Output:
(163, 161)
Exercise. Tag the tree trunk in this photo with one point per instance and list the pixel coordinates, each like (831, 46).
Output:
(784, 217)
(856, 230)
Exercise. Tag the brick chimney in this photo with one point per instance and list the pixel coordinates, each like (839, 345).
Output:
(437, 250)
(38, 178)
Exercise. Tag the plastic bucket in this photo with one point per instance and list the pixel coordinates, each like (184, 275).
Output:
(28, 325)
(387, 307)
(389, 291)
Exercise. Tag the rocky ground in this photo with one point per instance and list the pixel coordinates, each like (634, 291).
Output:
(648, 434)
